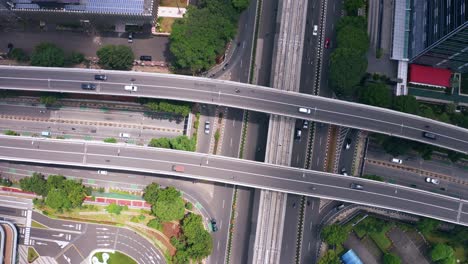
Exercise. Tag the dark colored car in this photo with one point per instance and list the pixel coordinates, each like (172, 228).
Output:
(429, 135)
(356, 186)
(214, 227)
(327, 43)
(305, 124)
(88, 86)
(145, 58)
(100, 77)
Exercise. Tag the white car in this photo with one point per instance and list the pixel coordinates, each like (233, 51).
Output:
(207, 127)
(432, 180)
(131, 88)
(103, 172)
(124, 135)
(395, 160)
(315, 32)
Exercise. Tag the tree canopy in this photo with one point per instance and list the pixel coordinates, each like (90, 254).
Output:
(199, 241)
(353, 37)
(115, 57)
(390, 258)
(347, 66)
(427, 225)
(202, 34)
(114, 208)
(179, 143)
(406, 104)
(330, 258)
(240, 5)
(48, 55)
(376, 94)
(351, 6)
(168, 205)
(334, 234)
(151, 193)
(181, 108)
(442, 253)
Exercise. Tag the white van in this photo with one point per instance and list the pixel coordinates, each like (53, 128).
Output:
(45, 133)
(131, 88)
(304, 110)
(395, 160)
(124, 135)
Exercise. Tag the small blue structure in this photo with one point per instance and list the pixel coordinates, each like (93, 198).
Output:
(351, 258)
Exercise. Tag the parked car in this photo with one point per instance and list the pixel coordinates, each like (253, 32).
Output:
(100, 77)
(207, 127)
(130, 37)
(432, 180)
(146, 58)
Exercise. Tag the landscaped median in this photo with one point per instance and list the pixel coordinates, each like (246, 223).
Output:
(166, 218)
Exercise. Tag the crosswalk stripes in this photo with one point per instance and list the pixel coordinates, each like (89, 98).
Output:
(28, 227)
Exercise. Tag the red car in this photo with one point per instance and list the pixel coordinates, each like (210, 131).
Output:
(327, 43)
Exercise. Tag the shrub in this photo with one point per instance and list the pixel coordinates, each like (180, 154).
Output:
(110, 140)
(11, 133)
(155, 223)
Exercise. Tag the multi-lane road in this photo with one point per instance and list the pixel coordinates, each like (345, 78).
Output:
(238, 95)
(235, 171)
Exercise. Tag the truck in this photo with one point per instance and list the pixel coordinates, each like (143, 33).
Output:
(178, 168)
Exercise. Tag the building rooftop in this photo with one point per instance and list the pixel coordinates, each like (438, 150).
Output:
(131, 7)
(429, 76)
(351, 258)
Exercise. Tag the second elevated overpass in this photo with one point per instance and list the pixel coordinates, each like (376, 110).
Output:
(237, 95)
(233, 171)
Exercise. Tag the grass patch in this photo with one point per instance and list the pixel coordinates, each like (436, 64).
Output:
(381, 240)
(173, 3)
(32, 254)
(116, 258)
(38, 225)
(166, 24)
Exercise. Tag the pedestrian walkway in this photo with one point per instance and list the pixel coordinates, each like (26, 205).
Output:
(171, 12)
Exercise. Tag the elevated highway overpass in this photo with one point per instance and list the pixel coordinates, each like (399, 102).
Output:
(237, 95)
(233, 171)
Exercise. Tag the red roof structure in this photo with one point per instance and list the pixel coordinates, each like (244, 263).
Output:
(429, 76)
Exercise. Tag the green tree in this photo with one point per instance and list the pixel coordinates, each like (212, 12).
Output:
(19, 54)
(5, 182)
(352, 6)
(427, 225)
(116, 57)
(183, 143)
(160, 143)
(110, 140)
(390, 258)
(114, 208)
(406, 104)
(440, 252)
(48, 55)
(353, 37)
(169, 205)
(373, 177)
(75, 58)
(188, 206)
(396, 146)
(357, 21)
(376, 94)
(151, 193)
(155, 223)
(48, 100)
(334, 234)
(347, 66)
(330, 258)
(11, 133)
(240, 5)
(202, 34)
(199, 241)
(36, 184)
(57, 199)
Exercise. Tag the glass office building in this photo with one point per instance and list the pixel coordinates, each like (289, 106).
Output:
(439, 34)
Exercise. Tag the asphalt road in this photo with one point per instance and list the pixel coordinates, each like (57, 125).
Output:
(239, 95)
(73, 122)
(213, 200)
(235, 171)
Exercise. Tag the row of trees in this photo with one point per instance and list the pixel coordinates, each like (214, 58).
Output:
(116, 57)
(167, 205)
(201, 35)
(180, 108)
(57, 192)
(348, 62)
(178, 143)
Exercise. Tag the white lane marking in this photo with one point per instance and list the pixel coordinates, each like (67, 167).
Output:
(224, 203)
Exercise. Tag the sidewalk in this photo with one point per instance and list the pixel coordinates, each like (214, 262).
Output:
(171, 12)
